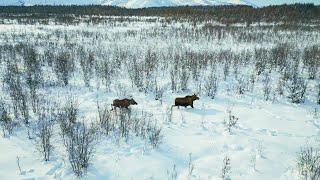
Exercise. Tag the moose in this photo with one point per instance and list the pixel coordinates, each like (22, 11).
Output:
(185, 101)
(123, 103)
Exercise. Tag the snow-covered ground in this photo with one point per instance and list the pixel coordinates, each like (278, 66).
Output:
(263, 145)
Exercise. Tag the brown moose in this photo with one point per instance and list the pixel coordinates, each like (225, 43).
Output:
(123, 103)
(186, 101)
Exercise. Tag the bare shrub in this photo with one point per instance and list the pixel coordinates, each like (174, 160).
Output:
(308, 162)
(34, 75)
(67, 117)
(105, 119)
(6, 122)
(261, 56)
(159, 93)
(173, 79)
(125, 123)
(318, 98)
(297, 87)
(225, 58)
(107, 72)
(135, 69)
(155, 135)
(44, 132)
(230, 122)
(121, 91)
(266, 86)
(80, 146)
(64, 67)
(168, 114)
(252, 81)
(242, 85)
(184, 78)
(279, 55)
(211, 85)
(226, 169)
(190, 167)
(281, 85)
(86, 63)
(13, 82)
(312, 60)
(172, 174)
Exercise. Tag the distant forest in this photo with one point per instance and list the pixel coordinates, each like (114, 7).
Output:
(296, 13)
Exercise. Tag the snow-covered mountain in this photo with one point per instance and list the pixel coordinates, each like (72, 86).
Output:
(155, 3)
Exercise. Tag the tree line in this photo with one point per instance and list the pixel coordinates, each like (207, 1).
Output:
(303, 13)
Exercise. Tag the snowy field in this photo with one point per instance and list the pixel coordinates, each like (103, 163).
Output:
(231, 68)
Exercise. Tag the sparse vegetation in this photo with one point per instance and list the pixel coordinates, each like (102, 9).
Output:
(308, 162)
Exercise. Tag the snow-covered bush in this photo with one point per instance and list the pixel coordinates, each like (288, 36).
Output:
(135, 70)
(124, 122)
(211, 85)
(173, 79)
(155, 135)
(230, 122)
(297, 87)
(63, 67)
(242, 85)
(226, 169)
(279, 55)
(87, 61)
(190, 167)
(266, 86)
(184, 78)
(6, 122)
(312, 60)
(68, 116)
(172, 174)
(318, 98)
(13, 82)
(44, 133)
(308, 162)
(105, 119)
(159, 93)
(80, 146)
(261, 55)
(34, 75)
